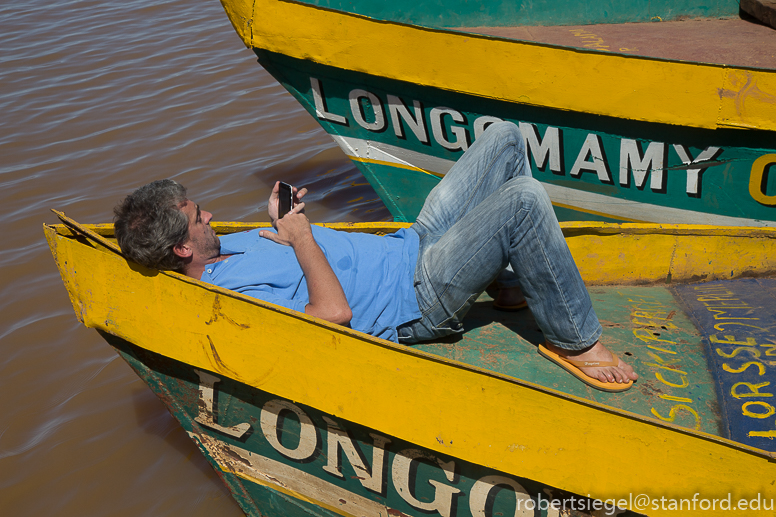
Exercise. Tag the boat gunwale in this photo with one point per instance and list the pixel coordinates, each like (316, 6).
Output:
(686, 96)
(569, 228)
(453, 30)
(559, 46)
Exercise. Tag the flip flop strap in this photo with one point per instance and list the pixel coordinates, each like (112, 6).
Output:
(591, 364)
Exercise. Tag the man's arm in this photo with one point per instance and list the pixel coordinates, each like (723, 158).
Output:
(327, 299)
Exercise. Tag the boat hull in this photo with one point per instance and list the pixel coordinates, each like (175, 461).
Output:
(281, 458)
(404, 138)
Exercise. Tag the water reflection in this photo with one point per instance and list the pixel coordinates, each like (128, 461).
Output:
(98, 98)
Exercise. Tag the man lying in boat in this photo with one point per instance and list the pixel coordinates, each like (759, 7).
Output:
(414, 285)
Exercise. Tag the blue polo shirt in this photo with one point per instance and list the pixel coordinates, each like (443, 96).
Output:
(376, 273)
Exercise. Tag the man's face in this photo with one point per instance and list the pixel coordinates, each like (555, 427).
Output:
(203, 240)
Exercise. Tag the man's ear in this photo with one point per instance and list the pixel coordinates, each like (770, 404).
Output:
(182, 250)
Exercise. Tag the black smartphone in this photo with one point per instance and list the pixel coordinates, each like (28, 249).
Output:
(285, 199)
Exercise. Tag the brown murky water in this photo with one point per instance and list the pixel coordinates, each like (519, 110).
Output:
(97, 98)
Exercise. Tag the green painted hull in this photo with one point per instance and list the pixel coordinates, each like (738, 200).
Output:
(404, 137)
(290, 460)
(459, 13)
(283, 458)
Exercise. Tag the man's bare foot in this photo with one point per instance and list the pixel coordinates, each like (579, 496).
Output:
(510, 298)
(621, 374)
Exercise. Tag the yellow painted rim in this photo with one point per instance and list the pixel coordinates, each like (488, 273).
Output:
(621, 86)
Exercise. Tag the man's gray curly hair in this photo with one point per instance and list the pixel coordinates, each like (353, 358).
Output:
(149, 224)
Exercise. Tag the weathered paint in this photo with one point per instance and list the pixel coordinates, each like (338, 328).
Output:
(318, 459)
(340, 466)
(643, 325)
(404, 138)
(619, 86)
(738, 323)
(513, 426)
(459, 13)
(648, 327)
(637, 254)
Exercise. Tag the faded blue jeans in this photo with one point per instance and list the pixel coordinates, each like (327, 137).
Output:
(487, 213)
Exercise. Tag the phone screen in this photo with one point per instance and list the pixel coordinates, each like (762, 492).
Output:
(285, 199)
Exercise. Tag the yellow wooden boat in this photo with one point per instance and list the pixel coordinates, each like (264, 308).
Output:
(300, 416)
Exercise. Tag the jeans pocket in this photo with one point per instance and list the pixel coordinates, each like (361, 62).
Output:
(405, 334)
(451, 313)
(451, 326)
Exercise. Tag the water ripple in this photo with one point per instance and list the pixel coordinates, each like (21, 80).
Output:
(98, 98)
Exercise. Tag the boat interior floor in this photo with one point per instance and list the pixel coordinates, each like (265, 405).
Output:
(731, 41)
(705, 353)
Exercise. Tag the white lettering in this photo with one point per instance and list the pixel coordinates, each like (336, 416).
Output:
(482, 123)
(398, 112)
(549, 145)
(320, 104)
(478, 497)
(592, 146)
(206, 415)
(339, 439)
(630, 157)
(443, 495)
(440, 135)
(357, 108)
(694, 175)
(308, 436)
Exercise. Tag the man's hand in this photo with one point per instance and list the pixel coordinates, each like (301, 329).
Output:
(272, 205)
(327, 299)
(292, 230)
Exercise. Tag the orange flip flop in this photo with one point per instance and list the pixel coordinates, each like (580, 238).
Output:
(572, 366)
